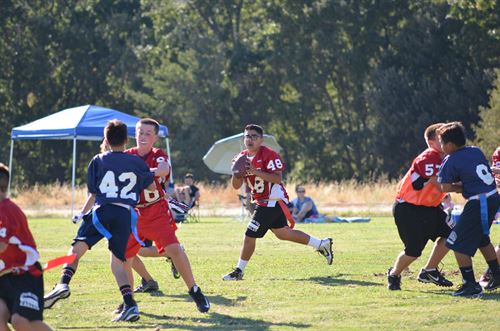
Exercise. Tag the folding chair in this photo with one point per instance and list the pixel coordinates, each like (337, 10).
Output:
(193, 214)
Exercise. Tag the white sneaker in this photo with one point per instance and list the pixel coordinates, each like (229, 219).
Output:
(60, 291)
(325, 249)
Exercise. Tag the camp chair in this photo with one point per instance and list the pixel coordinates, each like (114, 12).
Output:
(179, 210)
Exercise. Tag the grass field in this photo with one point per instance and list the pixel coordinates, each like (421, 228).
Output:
(286, 286)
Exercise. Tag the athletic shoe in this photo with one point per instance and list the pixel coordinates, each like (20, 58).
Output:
(236, 274)
(147, 286)
(60, 291)
(485, 278)
(118, 309)
(128, 314)
(201, 300)
(393, 281)
(325, 249)
(434, 277)
(493, 283)
(175, 273)
(469, 290)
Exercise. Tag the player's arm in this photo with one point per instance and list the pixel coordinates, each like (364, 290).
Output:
(271, 177)
(89, 203)
(162, 170)
(451, 187)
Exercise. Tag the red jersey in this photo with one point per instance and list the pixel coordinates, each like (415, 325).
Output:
(265, 193)
(495, 162)
(426, 165)
(21, 253)
(152, 158)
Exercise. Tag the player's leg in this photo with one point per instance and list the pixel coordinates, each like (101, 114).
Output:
(148, 284)
(4, 316)
(438, 230)
(306, 207)
(21, 323)
(130, 311)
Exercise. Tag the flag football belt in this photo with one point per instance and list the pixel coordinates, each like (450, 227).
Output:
(284, 207)
(483, 204)
(133, 223)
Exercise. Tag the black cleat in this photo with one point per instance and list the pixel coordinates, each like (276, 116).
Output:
(200, 299)
(434, 277)
(147, 286)
(469, 290)
(393, 281)
(236, 274)
(493, 283)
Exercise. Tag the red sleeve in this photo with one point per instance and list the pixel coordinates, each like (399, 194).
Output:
(495, 159)
(273, 162)
(427, 164)
(7, 230)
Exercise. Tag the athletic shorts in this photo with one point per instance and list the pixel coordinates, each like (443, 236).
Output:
(265, 218)
(467, 236)
(156, 224)
(23, 295)
(113, 218)
(417, 224)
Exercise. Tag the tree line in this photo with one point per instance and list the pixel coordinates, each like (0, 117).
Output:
(347, 87)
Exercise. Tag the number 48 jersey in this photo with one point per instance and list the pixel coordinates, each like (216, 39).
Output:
(265, 193)
(116, 177)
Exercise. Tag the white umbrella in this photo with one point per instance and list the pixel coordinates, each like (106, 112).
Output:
(219, 156)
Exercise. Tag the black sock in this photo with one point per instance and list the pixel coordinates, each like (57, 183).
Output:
(126, 291)
(468, 274)
(494, 267)
(67, 274)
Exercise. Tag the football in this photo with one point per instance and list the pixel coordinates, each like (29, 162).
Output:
(239, 166)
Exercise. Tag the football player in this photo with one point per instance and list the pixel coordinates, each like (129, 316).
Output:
(264, 178)
(466, 170)
(115, 181)
(21, 279)
(156, 221)
(419, 215)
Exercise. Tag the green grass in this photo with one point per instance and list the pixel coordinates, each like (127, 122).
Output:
(286, 286)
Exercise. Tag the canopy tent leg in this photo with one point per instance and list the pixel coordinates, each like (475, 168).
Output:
(10, 164)
(73, 172)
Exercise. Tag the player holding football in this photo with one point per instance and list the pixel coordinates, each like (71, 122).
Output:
(115, 181)
(263, 175)
(419, 216)
(156, 221)
(466, 170)
(21, 279)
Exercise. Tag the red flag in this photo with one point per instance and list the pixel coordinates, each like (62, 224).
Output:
(60, 260)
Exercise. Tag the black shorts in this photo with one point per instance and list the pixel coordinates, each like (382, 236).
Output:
(467, 236)
(417, 224)
(113, 218)
(23, 295)
(265, 218)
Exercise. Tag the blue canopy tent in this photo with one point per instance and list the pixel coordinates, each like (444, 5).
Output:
(79, 123)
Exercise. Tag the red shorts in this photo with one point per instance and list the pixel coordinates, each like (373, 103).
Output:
(155, 223)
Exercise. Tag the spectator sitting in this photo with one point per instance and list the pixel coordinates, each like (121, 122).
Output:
(188, 194)
(303, 206)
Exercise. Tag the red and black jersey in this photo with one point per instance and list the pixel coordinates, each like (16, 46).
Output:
(425, 165)
(21, 253)
(152, 158)
(266, 193)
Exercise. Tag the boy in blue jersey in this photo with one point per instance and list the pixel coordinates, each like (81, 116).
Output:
(466, 170)
(115, 181)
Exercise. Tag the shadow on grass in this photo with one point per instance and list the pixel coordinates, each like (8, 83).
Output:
(336, 280)
(487, 296)
(207, 322)
(214, 299)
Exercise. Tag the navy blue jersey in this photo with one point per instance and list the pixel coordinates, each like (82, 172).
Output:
(469, 166)
(116, 177)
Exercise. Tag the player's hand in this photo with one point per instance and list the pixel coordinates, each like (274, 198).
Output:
(251, 170)
(77, 218)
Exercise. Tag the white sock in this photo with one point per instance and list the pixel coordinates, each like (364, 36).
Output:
(314, 242)
(242, 264)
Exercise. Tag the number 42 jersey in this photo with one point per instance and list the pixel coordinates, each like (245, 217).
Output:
(264, 193)
(116, 177)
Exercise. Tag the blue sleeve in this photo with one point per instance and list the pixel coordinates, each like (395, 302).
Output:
(446, 174)
(145, 174)
(92, 173)
(295, 202)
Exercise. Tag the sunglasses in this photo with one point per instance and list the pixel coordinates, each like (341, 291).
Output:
(252, 136)
(301, 191)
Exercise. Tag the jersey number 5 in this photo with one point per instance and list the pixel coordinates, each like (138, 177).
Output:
(108, 185)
